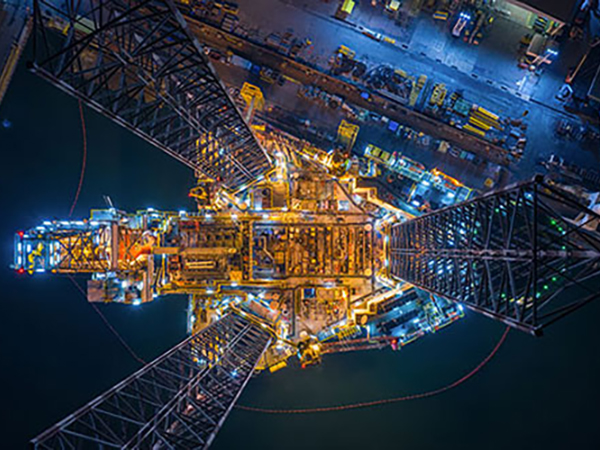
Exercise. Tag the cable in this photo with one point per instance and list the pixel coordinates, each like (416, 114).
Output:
(81, 177)
(373, 403)
(108, 325)
(83, 162)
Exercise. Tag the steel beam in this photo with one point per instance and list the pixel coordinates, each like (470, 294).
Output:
(527, 255)
(136, 62)
(178, 401)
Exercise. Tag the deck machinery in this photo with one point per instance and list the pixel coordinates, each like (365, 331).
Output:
(300, 251)
(287, 253)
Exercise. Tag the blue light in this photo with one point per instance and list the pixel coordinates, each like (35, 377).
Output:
(234, 373)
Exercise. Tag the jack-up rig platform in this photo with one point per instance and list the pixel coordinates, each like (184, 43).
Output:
(289, 252)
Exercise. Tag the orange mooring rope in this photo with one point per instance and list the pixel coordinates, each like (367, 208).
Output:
(384, 401)
(83, 162)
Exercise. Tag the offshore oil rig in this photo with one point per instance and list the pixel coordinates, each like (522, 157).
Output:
(290, 253)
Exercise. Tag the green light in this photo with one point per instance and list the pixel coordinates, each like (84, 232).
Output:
(553, 222)
(546, 287)
(553, 279)
(503, 295)
(538, 295)
(496, 210)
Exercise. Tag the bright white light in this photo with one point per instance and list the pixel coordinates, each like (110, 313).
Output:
(137, 302)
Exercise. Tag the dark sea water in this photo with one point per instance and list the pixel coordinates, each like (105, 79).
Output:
(56, 354)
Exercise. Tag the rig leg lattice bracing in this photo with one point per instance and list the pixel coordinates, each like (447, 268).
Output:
(137, 63)
(178, 401)
(526, 255)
